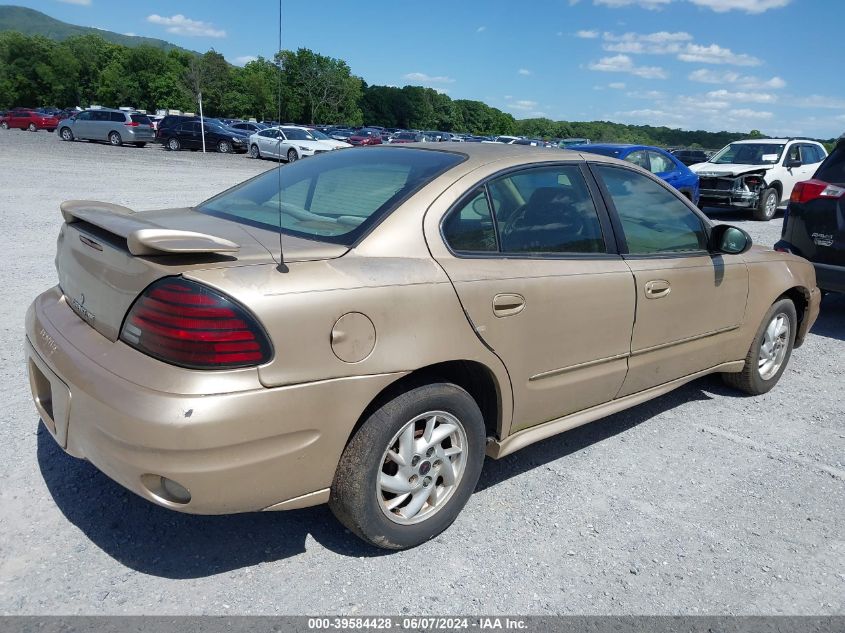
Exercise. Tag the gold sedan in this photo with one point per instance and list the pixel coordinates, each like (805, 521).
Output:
(361, 328)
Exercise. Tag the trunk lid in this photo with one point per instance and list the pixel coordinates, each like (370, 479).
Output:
(107, 255)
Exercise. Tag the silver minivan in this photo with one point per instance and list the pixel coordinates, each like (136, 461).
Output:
(115, 126)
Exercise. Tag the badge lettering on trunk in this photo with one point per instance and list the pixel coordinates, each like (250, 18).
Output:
(81, 310)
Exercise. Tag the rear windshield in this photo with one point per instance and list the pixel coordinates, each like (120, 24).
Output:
(832, 170)
(333, 197)
(141, 119)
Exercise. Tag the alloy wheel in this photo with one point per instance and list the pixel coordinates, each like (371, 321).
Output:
(774, 346)
(422, 467)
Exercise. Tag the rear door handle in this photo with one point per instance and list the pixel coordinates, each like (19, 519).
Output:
(657, 288)
(508, 304)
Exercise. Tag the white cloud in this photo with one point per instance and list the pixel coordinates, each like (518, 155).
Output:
(624, 64)
(749, 6)
(819, 101)
(745, 113)
(429, 79)
(660, 43)
(131, 34)
(720, 6)
(645, 4)
(745, 97)
(748, 82)
(715, 54)
(524, 71)
(481, 29)
(586, 35)
(617, 85)
(525, 107)
(82, 3)
(180, 25)
(647, 94)
(243, 60)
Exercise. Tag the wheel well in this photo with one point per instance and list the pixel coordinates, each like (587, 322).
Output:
(474, 377)
(779, 187)
(800, 297)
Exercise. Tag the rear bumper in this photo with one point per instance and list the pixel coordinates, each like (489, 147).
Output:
(830, 278)
(239, 447)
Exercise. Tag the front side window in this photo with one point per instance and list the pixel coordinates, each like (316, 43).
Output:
(334, 197)
(653, 219)
(660, 164)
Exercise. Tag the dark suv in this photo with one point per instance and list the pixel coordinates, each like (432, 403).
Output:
(814, 222)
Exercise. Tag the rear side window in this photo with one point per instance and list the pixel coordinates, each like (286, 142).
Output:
(660, 163)
(117, 117)
(653, 219)
(141, 119)
(469, 228)
(334, 197)
(542, 210)
(832, 170)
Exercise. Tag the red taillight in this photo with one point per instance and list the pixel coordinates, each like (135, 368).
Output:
(132, 124)
(187, 324)
(812, 189)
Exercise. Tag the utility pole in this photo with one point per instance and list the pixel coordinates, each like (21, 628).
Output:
(202, 123)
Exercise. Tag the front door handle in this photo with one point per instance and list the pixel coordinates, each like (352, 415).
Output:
(657, 288)
(508, 304)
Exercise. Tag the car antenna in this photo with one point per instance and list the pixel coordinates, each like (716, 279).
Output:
(282, 268)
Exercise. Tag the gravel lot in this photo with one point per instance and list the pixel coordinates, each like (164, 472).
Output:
(702, 501)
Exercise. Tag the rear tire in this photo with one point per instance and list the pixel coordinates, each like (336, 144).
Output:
(115, 139)
(435, 481)
(254, 151)
(770, 351)
(4, 125)
(767, 206)
(32, 127)
(174, 145)
(66, 134)
(292, 156)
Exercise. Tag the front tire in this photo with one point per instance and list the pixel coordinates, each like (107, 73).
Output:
(224, 147)
(292, 156)
(411, 467)
(32, 127)
(174, 145)
(115, 139)
(770, 351)
(254, 151)
(767, 206)
(66, 134)
(4, 125)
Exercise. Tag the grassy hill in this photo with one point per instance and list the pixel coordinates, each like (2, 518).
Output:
(32, 22)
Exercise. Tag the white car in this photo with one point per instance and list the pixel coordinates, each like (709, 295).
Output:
(757, 174)
(291, 143)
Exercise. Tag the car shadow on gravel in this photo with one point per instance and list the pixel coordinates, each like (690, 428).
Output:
(160, 542)
(831, 321)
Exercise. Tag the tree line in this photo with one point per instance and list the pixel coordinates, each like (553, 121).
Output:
(301, 86)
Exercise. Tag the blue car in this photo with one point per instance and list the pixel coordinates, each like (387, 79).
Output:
(658, 161)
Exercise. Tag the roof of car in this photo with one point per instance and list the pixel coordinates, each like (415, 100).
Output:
(481, 153)
(765, 141)
(620, 146)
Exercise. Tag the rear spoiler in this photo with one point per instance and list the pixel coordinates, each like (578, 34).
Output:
(142, 236)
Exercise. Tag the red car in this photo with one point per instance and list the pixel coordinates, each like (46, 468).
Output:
(365, 136)
(29, 120)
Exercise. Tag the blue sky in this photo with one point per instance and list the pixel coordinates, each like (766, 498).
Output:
(773, 65)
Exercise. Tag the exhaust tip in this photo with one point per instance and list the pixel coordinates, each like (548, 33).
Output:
(165, 489)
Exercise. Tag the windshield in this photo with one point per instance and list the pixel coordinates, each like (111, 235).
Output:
(318, 135)
(297, 134)
(333, 197)
(748, 154)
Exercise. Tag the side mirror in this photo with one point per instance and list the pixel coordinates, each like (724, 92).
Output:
(789, 164)
(729, 240)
